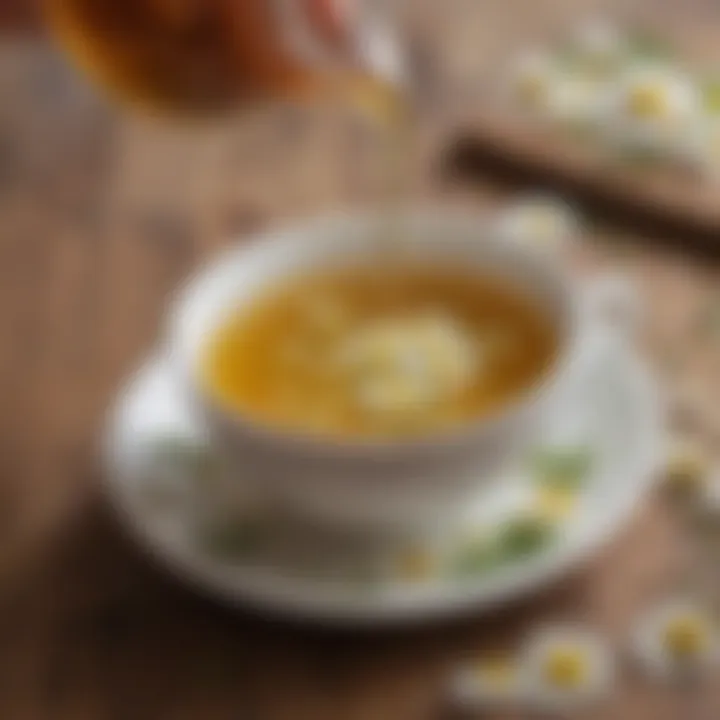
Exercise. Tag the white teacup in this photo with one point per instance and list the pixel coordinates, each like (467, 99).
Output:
(394, 485)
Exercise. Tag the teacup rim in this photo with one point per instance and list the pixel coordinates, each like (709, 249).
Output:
(372, 447)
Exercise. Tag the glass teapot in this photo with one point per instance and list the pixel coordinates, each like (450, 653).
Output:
(207, 56)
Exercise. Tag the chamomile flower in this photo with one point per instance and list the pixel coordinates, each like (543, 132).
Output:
(677, 640)
(491, 683)
(686, 469)
(542, 221)
(652, 108)
(566, 668)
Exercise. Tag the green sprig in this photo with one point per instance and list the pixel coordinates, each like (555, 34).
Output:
(562, 468)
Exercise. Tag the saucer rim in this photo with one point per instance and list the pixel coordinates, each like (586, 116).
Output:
(281, 595)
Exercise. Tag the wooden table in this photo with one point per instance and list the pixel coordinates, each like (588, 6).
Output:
(101, 215)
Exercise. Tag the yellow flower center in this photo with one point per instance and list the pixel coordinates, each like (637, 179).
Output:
(648, 102)
(566, 668)
(685, 637)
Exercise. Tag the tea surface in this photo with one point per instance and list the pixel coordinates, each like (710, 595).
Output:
(378, 352)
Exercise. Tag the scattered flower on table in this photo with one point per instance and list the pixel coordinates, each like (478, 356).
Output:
(489, 683)
(677, 640)
(629, 91)
(652, 108)
(541, 221)
(566, 668)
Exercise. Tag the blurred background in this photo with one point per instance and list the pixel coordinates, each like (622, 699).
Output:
(103, 212)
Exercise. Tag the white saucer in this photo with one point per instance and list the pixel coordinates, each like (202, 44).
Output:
(613, 409)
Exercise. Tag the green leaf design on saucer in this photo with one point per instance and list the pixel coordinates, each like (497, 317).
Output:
(524, 536)
(562, 468)
(474, 558)
(517, 539)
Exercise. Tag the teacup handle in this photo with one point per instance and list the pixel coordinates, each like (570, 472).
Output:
(612, 302)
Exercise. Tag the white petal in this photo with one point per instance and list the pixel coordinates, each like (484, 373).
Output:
(649, 642)
(665, 133)
(596, 654)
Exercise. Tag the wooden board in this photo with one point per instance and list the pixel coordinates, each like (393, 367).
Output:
(102, 216)
(493, 139)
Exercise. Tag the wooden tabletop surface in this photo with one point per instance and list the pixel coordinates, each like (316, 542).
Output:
(667, 198)
(101, 216)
